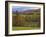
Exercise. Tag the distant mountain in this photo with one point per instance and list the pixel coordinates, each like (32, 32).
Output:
(26, 11)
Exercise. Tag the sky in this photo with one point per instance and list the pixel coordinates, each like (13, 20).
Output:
(21, 8)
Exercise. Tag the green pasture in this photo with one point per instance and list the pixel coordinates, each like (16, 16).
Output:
(24, 28)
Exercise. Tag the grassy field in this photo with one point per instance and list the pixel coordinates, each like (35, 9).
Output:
(24, 28)
(29, 22)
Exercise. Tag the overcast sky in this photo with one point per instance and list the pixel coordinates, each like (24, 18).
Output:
(21, 8)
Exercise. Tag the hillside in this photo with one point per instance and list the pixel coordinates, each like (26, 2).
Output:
(26, 11)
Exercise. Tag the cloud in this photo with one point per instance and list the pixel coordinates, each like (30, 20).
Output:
(21, 8)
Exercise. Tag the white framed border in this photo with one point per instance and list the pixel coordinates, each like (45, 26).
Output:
(24, 31)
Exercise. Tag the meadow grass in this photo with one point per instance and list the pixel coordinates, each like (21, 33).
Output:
(25, 28)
